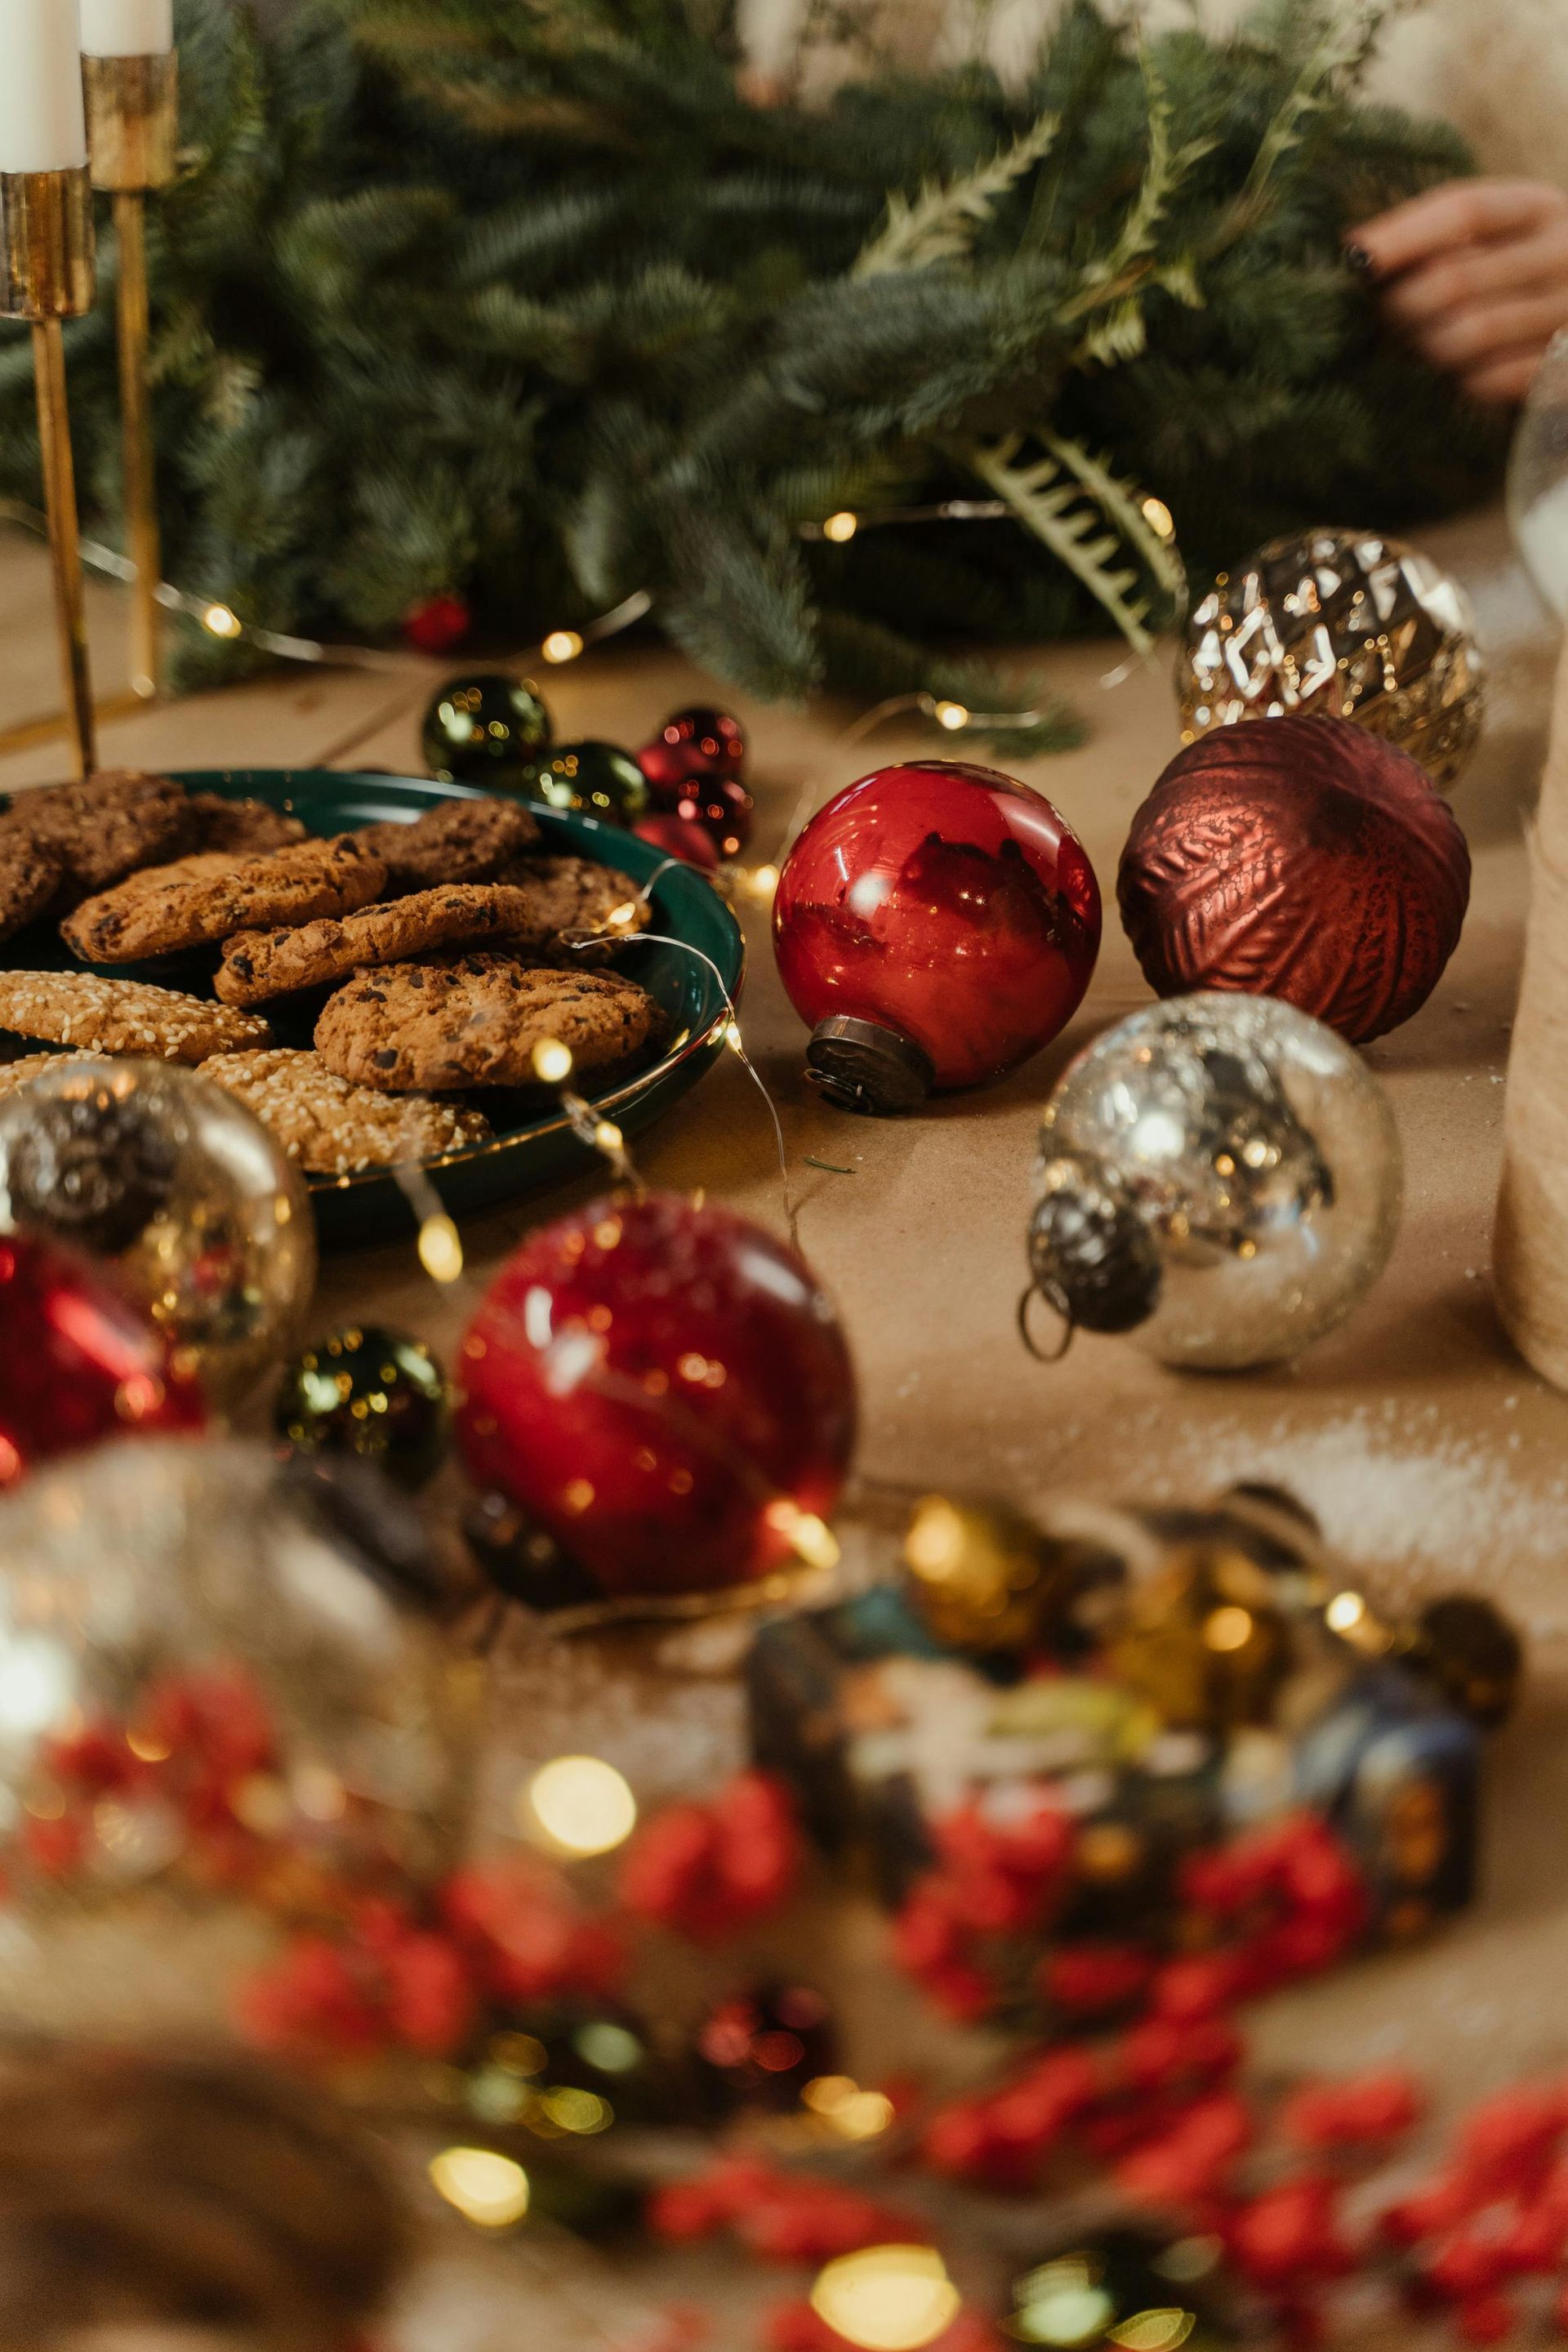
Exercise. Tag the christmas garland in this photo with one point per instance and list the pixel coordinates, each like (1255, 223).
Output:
(526, 308)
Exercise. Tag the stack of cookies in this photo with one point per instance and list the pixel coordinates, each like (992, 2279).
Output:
(453, 947)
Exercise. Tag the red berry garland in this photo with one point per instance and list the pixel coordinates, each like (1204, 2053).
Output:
(709, 1870)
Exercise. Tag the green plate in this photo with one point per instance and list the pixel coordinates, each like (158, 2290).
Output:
(533, 1143)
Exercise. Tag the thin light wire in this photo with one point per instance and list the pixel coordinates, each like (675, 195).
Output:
(737, 1047)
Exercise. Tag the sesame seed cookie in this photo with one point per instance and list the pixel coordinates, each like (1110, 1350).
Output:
(330, 1127)
(123, 1017)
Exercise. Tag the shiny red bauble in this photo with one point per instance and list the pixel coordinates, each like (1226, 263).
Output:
(1302, 859)
(936, 924)
(721, 806)
(437, 623)
(693, 745)
(77, 1363)
(679, 836)
(663, 1388)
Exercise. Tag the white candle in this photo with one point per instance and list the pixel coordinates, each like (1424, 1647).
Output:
(42, 127)
(126, 29)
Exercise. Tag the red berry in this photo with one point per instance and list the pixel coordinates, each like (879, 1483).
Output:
(437, 623)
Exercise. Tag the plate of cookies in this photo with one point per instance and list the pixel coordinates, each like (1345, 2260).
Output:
(370, 963)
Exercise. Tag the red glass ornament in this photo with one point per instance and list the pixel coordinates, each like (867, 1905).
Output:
(677, 836)
(1301, 858)
(721, 807)
(437, 623)
(937, 907)
(691, 744)
(76, 1362)
(664, 1389)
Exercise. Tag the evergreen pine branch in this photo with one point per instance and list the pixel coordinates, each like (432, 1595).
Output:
(1127, 511)
(1048, 499)
(941, 222)
(1344, 41)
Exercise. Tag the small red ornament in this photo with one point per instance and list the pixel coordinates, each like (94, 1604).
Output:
(936, 924)
(437, 623)
(721, 806)
(1302, 859)
(77, 1362)
(664, 1389)
(679, 836)
(698, 744)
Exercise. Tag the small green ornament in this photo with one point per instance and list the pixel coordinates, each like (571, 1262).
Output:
(485, 729)
(371, 1392)
(593, 778)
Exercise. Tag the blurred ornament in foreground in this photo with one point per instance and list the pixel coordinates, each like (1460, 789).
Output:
(199, 1215)
(1538, 481)
(202, 1695)
(1220, 1179)
(977, 1574)
(591, 779)
(697, 744)
(665, 1391)
(369, 1391)
(935, 924)
(1342, 624)
(486, 728)
(1305, 860)
(1135, 2289)
(78, 1362)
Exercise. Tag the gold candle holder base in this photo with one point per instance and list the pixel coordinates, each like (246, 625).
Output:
(133, 117)
(46, 275)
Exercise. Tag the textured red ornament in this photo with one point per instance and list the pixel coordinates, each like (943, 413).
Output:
(77, 1362)
(677, 836)
(1301, 858)
(437, 624)
(698, 744)
(663, 1388)
(945, 903)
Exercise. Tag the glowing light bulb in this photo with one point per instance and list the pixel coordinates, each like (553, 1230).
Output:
(764, 882)
(1228, 1629)
(487, 2188)
(732, 1034)
(1159, 517)
(841, 527)
(887, 2298)
(562, 646)
(582, 1804)
(934, 1545)
(440, 1249)
(1344, 1612)
(552, 1061)
(811, 1538)
(219, 622)
(950, 715)
(607, 1136)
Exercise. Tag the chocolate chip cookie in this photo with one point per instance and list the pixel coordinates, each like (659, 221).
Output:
(259, 964)
(158, 913)
(459, 841)
(573, 894)
(123, 1017)
(243, 827)
(331, 1128)
(31, 873)
(476, 1023)
(105, 828)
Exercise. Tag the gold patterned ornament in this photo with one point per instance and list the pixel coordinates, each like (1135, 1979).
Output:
(1345, 624)
(977, 1574)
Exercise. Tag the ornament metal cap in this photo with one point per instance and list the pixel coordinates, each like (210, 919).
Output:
(863, 1066)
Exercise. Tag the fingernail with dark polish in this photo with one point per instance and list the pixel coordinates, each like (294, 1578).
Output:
(1360, 261)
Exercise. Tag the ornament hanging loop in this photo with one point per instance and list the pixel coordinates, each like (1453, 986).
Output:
(1058, 1308)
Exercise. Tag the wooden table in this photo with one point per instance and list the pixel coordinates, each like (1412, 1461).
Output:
(1431, 1454)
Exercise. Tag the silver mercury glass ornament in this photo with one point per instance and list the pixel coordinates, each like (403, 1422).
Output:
(1220, 1179)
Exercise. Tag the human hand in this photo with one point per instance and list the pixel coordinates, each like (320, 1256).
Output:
(1476, 272)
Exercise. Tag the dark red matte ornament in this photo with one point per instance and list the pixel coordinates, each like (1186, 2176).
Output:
(936, 924)
(1302, 859)
(664, 1389)
(692, 745)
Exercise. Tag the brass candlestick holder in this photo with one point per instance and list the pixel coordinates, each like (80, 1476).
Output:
(132, 109)
(46, 275)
